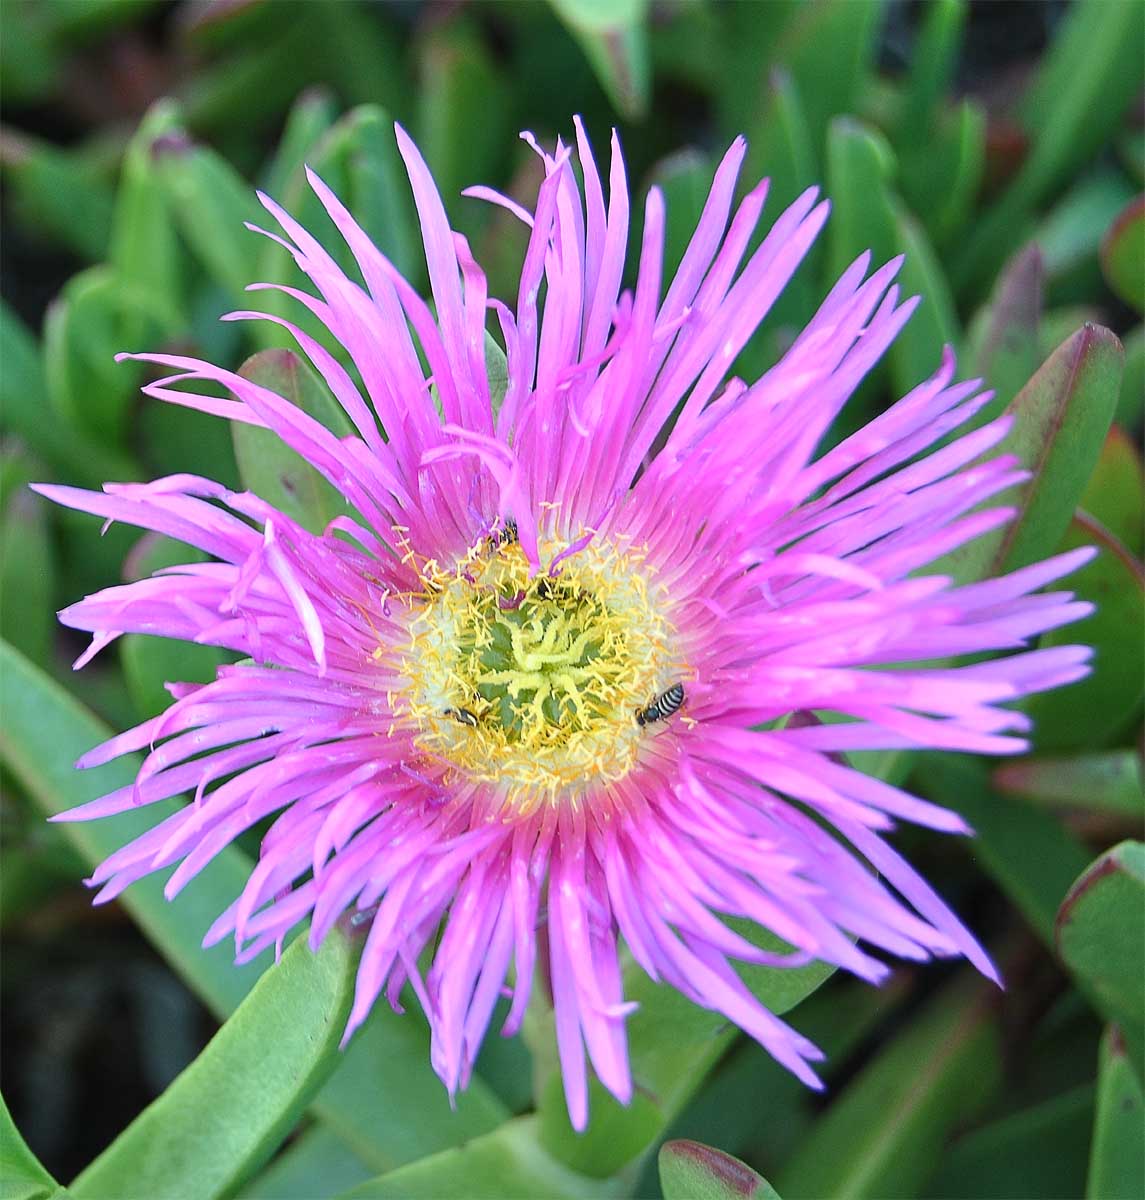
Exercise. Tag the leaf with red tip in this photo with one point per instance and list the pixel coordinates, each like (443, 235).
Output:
(1123, 254)
(1108, 781)
(614, 37)
(692, 1171)
(1100, 934)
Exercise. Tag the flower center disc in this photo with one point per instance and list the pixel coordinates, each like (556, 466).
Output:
(533, 683)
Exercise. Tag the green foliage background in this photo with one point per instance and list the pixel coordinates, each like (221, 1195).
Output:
(133, 132)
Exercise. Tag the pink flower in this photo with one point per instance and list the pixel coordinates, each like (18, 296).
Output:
(539, 678)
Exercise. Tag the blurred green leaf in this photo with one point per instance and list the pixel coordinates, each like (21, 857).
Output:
(1123, 254)
(232, 1107)
(24, 401)
(497, 372)
(1097, 709)
(58, 192)
(1090, 74)
(77, 20)
(83, 331)
(933, 60)
(267, 466)
(941, 175)
(692, 1171)
(1028, 1155)
(672, 1044)
(1115, 494)
(42, 733)
(1026, 851)
(881, 1135)
(1070, 235)
(1061, 418)
(28, 575)
(315, 1164)
(1117, 1161)
(210, 202)
(614, 37)
(309, 119)
(829, 48)
(149, 662)
(1131, 403)
(860, 164)
(144, 252)
(1100, 934)
(1107, 781)
(22, 1176)
(505, 1163)
(1004, 335)
(458, 80)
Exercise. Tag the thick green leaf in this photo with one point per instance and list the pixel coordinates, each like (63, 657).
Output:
(22, 1177)
(309, 119)
(932, 67)
(315, 1164)
(24, 402)
(1100, 934)
(267, 466)
(941, 175)
(58, 192)
(829, 48)
(1123, 254)
(614, 37)
(1131, 404)
(210, 202)
(882, 1134)
(1115, 494)
(1060, 418)
(42, 733)
(506, 1164)
(1004, 342)
(1070, 235)
(1097, 710)
(144, 254)
(1026, 851)
(1084, 85)
(232, 1107)
(1028, 1155)
(860, 164)
(1117, 1160)
(1107, 781)
(27, 575)
(693, 1171)
(685, 179)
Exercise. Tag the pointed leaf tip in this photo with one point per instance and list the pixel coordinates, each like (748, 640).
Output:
(692, 1171)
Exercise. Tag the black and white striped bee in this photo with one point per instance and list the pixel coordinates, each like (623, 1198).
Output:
(662, 706)
(462, 715)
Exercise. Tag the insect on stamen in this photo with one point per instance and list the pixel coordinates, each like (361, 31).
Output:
(662, 706)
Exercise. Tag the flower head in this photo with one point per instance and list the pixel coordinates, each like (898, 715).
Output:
(540, 676)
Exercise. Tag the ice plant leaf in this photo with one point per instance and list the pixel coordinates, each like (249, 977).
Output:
(1117, 1159)
(233, 1106)
(505, 1162)
(144, 253)
(1005, 333)
(1108, 781)
(932, 67)
(27, 573)
(1071, 234)
(692, 1171)
(614, 38)
(1100, 934)
(22, 1174)
(315, 1163)
(210, 201)
(860, 164)
(1104, 704)
(310, 117)
(882, 1133)
(1123, 254)
(1060, 420)
(267, 466)
(544, 664)
(1027, 852)
(42, 734)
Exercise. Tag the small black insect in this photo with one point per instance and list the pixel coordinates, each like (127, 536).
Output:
(461, 715)
(506, 535)
(662, 706)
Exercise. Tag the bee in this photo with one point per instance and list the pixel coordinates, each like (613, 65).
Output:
(662, 706)
(463, 716)
(506, 535)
